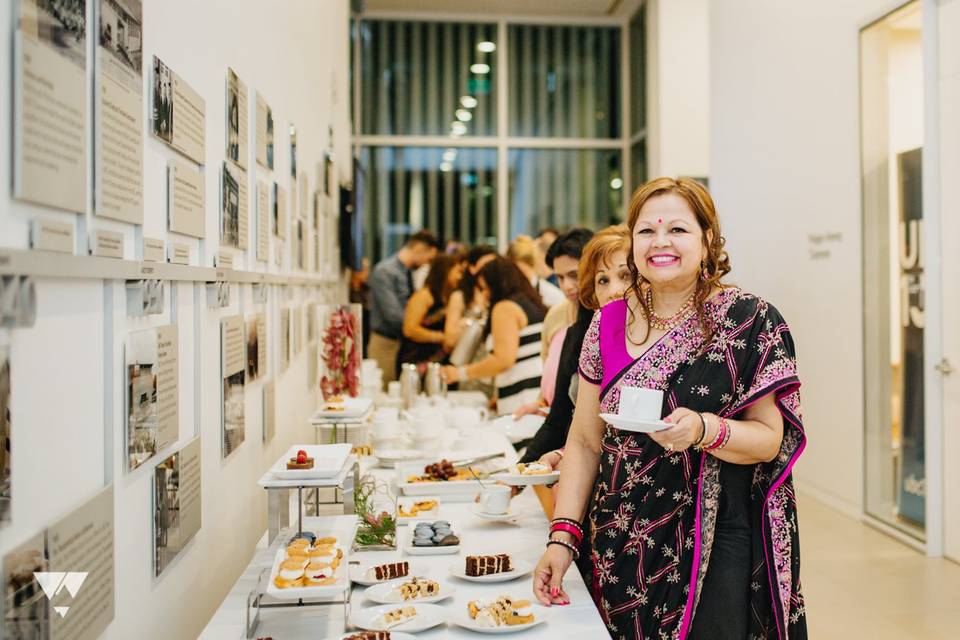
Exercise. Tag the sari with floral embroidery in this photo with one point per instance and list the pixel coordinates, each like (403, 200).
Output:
(654, 512)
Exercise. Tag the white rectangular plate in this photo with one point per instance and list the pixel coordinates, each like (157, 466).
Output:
(294, 593)
(328, 460)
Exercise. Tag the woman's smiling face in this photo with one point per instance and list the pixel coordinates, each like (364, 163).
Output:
(668, 244)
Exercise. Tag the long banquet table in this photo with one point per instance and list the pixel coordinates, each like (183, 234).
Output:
(522, 537)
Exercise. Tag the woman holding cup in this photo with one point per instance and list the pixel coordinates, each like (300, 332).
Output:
(693, 526)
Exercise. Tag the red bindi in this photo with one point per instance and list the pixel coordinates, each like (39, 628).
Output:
(659, 220)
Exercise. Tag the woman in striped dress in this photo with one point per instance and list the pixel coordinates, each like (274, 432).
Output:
(516, 320)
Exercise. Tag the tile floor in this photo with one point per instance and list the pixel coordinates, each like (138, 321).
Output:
(860, 583)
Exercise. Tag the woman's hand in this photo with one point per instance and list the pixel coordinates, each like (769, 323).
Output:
(450, 373)
(548, 576)
(531, 408)
(684, 432)
(551, 459)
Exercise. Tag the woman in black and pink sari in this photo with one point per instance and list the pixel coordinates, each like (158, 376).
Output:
(694, 526)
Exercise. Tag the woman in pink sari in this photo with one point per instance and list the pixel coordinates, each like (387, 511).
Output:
(693, 528)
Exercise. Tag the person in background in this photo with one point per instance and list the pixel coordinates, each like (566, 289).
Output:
(423, 321)
(467, 301)
(544, 239)
(360, 294)
(523, 252)
(392, 285)
(563, 257)
(603, 277)
(455, 248)
(516, 320)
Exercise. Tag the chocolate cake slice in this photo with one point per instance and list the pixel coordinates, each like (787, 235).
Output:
(391, 570)
(487, 565)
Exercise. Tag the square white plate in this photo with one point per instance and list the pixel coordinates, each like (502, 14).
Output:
(328, 460)
(294, 593)
(409, 549)
(632, 424)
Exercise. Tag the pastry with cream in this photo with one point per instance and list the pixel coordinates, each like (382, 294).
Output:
(533, 469)
(504, 611)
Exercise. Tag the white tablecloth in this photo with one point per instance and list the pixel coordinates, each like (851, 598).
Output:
(523, 538)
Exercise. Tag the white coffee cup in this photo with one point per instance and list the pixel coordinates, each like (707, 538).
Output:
(495, 499)
(640, 404)
(393, 388)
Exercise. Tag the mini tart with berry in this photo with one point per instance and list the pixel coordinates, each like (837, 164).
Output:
(300, 461)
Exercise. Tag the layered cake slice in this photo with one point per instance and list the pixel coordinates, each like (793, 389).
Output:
(388, 571)
(487, 565)
(370, 635)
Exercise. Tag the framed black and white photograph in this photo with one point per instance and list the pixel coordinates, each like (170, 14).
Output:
(61, 25)
(293, 152)
(121, 32)
(142, 405)
(176, 504)
(26, 608)
(270, 139)
(234, 428)
(229, 209)
(233, 116)
(162, 101)
(6, 493)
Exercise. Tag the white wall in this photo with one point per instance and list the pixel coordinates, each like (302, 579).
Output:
(785, 163)
(678, 96)
(296, 53)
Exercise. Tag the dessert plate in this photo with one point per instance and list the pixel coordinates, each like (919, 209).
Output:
(435, 550)
(358, 572)
(340, 585)
(638, 425)
(522, 429)
(328, 460)
(352, 408)
(391, 457)
(516, 479)
(407, 504)
(458, 569)
(428, 616)
(389, 592)
(463, 619)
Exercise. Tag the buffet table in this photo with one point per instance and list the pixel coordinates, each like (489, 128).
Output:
(523, 538)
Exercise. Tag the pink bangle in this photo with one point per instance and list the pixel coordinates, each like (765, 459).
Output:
(566, 527)
(722, 431)
(726, 436)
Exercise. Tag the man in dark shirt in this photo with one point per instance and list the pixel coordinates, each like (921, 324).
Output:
(391, 285)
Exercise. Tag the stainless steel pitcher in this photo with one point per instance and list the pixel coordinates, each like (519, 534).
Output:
(409, 384)
(435, 384)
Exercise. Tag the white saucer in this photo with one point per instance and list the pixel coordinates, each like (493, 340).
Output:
(492, 517)
(428, 616)
(633, 424)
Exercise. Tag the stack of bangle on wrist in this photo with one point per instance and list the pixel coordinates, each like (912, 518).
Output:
(723, 436)
(568, 526)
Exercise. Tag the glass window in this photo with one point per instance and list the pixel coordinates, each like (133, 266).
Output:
(564, 187)
(428, 78)
(450, 191)
(891, 83)
(638, 72)
(638, 165)
(564, 81)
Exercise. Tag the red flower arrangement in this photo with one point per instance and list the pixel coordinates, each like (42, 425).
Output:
(340, 354)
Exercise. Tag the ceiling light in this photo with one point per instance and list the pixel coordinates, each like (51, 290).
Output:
(446, 166)
(486, 46)
(463, 115)
(616, 183)
(468, 101)
(458, 128)
(480, 68)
